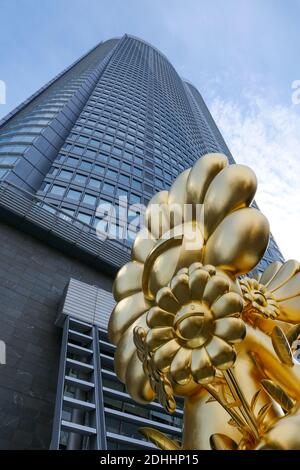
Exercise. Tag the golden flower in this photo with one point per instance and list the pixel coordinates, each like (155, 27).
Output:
(219, 229)
(259, 301)
(193, 325)
(275, 293)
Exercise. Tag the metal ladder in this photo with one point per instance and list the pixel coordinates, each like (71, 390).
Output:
(79, 411)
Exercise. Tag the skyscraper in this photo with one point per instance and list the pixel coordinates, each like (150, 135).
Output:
(119, 122)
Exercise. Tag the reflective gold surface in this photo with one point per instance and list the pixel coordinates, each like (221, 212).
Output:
(186, 325)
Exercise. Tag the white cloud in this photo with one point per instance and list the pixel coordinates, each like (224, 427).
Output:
(267, 138)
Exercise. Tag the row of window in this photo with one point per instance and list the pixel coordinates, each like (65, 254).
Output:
(94, 166)
(84, 180)
(106, 228)
(77, 195)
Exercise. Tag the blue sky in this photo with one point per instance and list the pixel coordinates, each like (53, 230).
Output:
(242, 55)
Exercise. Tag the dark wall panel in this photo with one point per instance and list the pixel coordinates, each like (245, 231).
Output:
(32, 279)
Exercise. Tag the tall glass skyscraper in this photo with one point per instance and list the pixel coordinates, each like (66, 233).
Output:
(118, 122)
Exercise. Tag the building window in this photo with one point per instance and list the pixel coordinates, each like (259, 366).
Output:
(117, 151)
(81, 179)
(95, 183)
(45, 187)
(111, 174)
(126, 166)
(84, 218)
(57, 190)
(85, 165)
(134, 198)
(67, 175)
(77, 150)
(105, 147)
(69, 212)
(124, 179)
(136, 184)
(99, 169)
(82, 139)
(108, 188)
(114, 161)
(53, 171)
(72, 161)
(89, 199)
(73, 194)
(122, 192)
(137, 171)
(90, 153)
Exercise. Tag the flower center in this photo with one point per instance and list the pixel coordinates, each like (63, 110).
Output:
(260, 298)
(193, 324)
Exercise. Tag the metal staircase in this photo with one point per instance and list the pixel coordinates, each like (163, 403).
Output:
(79, 412)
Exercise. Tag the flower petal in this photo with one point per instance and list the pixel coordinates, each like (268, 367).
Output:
(270, 272)
(158, 336)
(290, 289)
(177, 198)
(202, 369)
(222, 355)
(142, 245)
(167, 300)
(157, 217)
(285, 273)
(181, 366)
(290, 310)
(161, 266)
(201, 175)
(216, 286)
(233, 188)
(128, 280)
(164, 354)
(125, 313)
(197, 280)
(229, 304)
(239, 241)
(180, 287)
(137, 383)
(159, 317)
(126, 348)
(230, 329)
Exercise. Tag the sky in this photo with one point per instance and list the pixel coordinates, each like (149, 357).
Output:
(243, 56)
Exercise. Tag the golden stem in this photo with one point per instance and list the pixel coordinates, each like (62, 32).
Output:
(229, 410)
(239, 396)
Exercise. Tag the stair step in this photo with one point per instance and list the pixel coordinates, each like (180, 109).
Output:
(104, 345)
(78, 428)
(80, 325)
(79, 383)
(80, 350)
(78, 404)
(78, 365)
(81, 337)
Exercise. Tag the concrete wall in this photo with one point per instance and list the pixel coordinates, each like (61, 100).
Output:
(32, 279)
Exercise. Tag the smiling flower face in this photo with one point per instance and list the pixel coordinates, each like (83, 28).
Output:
(259, 301)
(274, 294)
(194, 324)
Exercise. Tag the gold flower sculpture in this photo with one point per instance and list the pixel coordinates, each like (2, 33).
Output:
(187, 323)
(193, 325)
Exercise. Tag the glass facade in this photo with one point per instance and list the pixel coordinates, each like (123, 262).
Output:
(140, 126)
